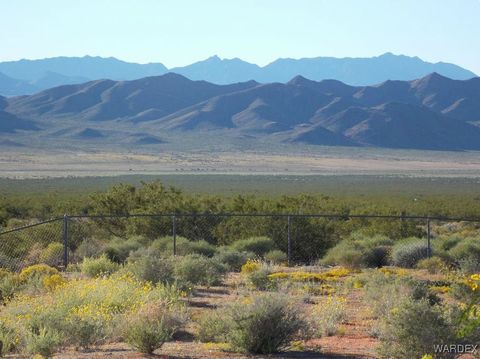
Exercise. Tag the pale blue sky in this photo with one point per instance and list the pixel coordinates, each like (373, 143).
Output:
(178, 32)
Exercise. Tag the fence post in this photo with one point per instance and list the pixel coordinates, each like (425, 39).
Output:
(289, 243)
(174, 234)
(65, 240)
(429, 239)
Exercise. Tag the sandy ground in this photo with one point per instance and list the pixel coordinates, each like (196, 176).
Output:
(32, 165)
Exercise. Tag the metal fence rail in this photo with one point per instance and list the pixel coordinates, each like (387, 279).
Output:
(303, 237)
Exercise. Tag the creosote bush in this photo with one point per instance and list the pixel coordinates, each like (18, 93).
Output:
(153, 269)
(276, 256)
(196, 269)
(260, 324)
(409, 252)
(258, 245)
(152, 325)
(413, 328)
(360, 251)
(94, 267)
(433, 265)
(233, 259)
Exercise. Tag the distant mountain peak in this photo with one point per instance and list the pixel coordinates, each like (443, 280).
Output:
(214, 58)
(299, 80)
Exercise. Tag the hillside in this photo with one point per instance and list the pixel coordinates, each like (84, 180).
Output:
(433, 112)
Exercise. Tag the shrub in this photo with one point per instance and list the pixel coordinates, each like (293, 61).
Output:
(94, 267)
(257, 245)
(343, 255)
(85, 311)
(151, 326)
(433, 265)
(377, 256)
(466, 253)
(53, 282)
(213, 326)
(44, 343)
(250, 266)
(259, 279)
(119, 249)
(164, 246)
(232, 259)
(412, 329)
(90, 248)
(263, 325)
(360, 251)
(196, 269)
(52, 254)
(9, 339)
(9, 285)
(152, 269)
(469, 265)
(36, 271)
(329, 314)
(406, 254)
(383, 293)
(256, 275)
(276, 256)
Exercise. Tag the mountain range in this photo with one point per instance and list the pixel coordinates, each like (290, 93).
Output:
(30, 76)
(433, 112)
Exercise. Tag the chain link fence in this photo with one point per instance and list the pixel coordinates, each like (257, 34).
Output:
(303, 238)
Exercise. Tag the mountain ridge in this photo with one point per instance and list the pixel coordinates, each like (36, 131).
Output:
(36, 75)
(433, 112)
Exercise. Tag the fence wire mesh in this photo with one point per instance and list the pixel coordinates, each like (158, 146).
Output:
(32, 244)
(303, 238)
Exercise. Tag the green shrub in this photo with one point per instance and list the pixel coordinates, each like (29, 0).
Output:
(9, 285)
(152, 269)
(8, 338)
(258, 279)
(257, 245)
(377, 257)
(52, 254)
(94, 267)
(264, 325)
(164, 247)
(407, 253)
(433, 265)
(360, 251)
(232, 259)
(197, 269)
(90, 248)
(118, 249)
(412, 330)
(467, 252)
(44, 343)
(151, 326)
(345, 255)
(213, 326)
(469, 265)
(276, 256)
(384, 293)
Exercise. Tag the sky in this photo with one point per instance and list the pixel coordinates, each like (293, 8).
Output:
(179, 32)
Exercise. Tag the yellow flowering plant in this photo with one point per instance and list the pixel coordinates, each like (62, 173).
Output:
(469, 321)
(85, 311)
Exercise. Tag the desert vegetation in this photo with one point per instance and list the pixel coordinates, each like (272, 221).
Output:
(356, 287)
